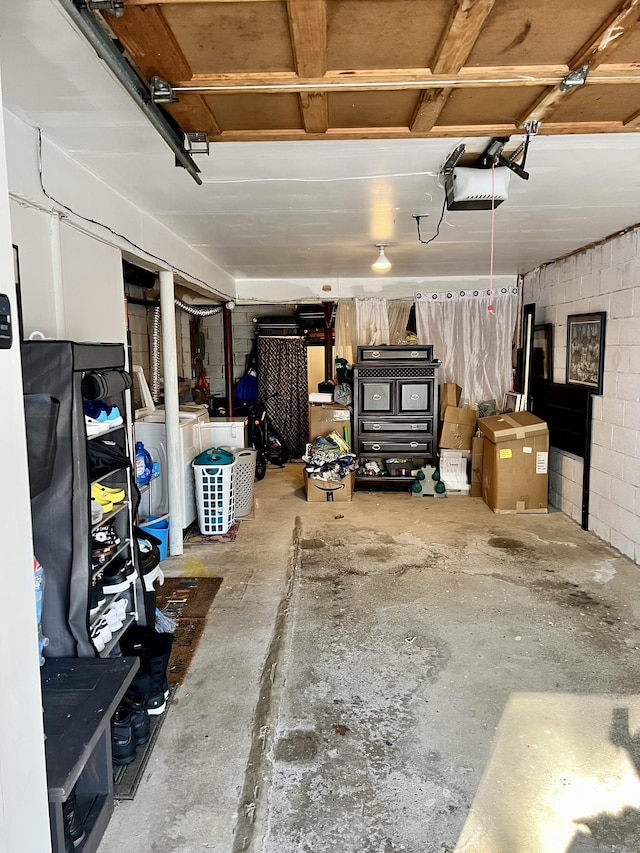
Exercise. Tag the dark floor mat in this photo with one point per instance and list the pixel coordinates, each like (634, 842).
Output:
(187, 602)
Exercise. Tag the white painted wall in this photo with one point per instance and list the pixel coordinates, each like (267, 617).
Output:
(603, 278)
(121, 223)
(24, 820)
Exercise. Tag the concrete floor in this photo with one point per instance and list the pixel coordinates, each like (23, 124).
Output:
(400, 674)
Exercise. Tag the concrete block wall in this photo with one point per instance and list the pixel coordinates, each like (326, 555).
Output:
(244, 332)
(605, 277)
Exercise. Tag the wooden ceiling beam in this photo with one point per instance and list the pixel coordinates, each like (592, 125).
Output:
(438, 132)
(466, 78)
(153, 48)
(593, 53)
(609, 37)
(460, 35)
(308, 27)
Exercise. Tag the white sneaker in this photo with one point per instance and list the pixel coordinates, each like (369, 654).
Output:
(100, 634)
(96, 511)
(94, 427)
(112, 619)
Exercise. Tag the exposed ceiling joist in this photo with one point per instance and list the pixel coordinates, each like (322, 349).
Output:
(308, 25)
(593, 53)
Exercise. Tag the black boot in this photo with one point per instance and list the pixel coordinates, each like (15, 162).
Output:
(123, 745)
(150, 683)
(73, 830)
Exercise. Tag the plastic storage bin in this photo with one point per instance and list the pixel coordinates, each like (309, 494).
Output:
(159, 527)
(214, 471)
(244, 476)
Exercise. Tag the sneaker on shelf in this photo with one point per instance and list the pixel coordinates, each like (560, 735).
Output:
(97, 594)
(104, 535)
(118, 576)
(104, 502)
(114, 418)
(123, 744)
(102, 555)
(104, 497)
(96, 511)
(100, 634)
(73, 824)
(103, 413)
(113, 621)
(110, 491)
(120, 607)
(94, 427)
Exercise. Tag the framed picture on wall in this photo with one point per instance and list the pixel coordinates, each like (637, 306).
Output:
(585, 349)
(542, 358)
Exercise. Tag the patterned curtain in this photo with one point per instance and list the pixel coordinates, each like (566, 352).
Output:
(283, 385)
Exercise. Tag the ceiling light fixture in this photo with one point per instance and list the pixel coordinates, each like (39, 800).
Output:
(574, 78)
(382, 262)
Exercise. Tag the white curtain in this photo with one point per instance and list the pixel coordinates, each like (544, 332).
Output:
(346, 332)
(398, 310)
(372, 322)
(472, 333)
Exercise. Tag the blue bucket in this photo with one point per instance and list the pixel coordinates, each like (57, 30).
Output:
(159, 527)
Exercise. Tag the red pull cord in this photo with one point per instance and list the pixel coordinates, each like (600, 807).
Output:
(493, 218)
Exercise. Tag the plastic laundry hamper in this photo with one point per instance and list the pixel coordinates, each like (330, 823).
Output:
(214, 471)
(244, 475)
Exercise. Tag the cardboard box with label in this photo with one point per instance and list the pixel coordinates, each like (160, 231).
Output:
(449, 396)
(329, 491)
(454, 465)
(515, 463)
(328, 417)
(458, 428)
(477, 449)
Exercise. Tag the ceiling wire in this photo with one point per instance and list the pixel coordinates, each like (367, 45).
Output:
(145, 252)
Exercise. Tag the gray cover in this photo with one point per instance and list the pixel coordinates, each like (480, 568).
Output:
(61, 514)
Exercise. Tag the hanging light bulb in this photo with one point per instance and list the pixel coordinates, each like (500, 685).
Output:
(382, 262)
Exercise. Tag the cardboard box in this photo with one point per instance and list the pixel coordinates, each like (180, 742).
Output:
(323, 491)
(477, 449)
(328, 417)
(458, 428)
(515, 463)
(449, 396)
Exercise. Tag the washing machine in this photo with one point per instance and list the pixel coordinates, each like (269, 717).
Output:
(149, 427)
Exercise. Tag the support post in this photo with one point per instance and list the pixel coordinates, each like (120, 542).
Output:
(228, 357)
(328, 342)
(171, 409)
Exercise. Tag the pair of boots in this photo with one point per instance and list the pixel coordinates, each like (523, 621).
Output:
(130, 728)
(150, 683)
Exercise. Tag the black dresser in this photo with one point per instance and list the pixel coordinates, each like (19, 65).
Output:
(395, 411)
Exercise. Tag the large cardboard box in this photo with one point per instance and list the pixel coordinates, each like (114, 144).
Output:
(324, 491)
(477, 449)
(515, 463)
(458, 428)
(449, 396)
(328, 417)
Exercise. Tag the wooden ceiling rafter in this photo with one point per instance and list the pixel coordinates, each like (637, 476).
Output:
(149, 22)
(303, 45)
(308, 26)
(458, 39)
(593, 53)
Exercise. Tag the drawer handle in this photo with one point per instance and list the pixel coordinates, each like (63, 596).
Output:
(415, 396)
(375, 447)
(414, 426)
(413, 444)
(377, 397)
(374, 353)
(414, 353)
(376, 426)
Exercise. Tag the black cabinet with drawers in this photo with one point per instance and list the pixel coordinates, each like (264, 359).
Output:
(395, 401)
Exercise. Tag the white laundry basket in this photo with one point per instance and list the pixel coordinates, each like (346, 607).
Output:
(245, 474)
(214, 481)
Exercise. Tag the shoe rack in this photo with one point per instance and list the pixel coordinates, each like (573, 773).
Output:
(62, 523)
